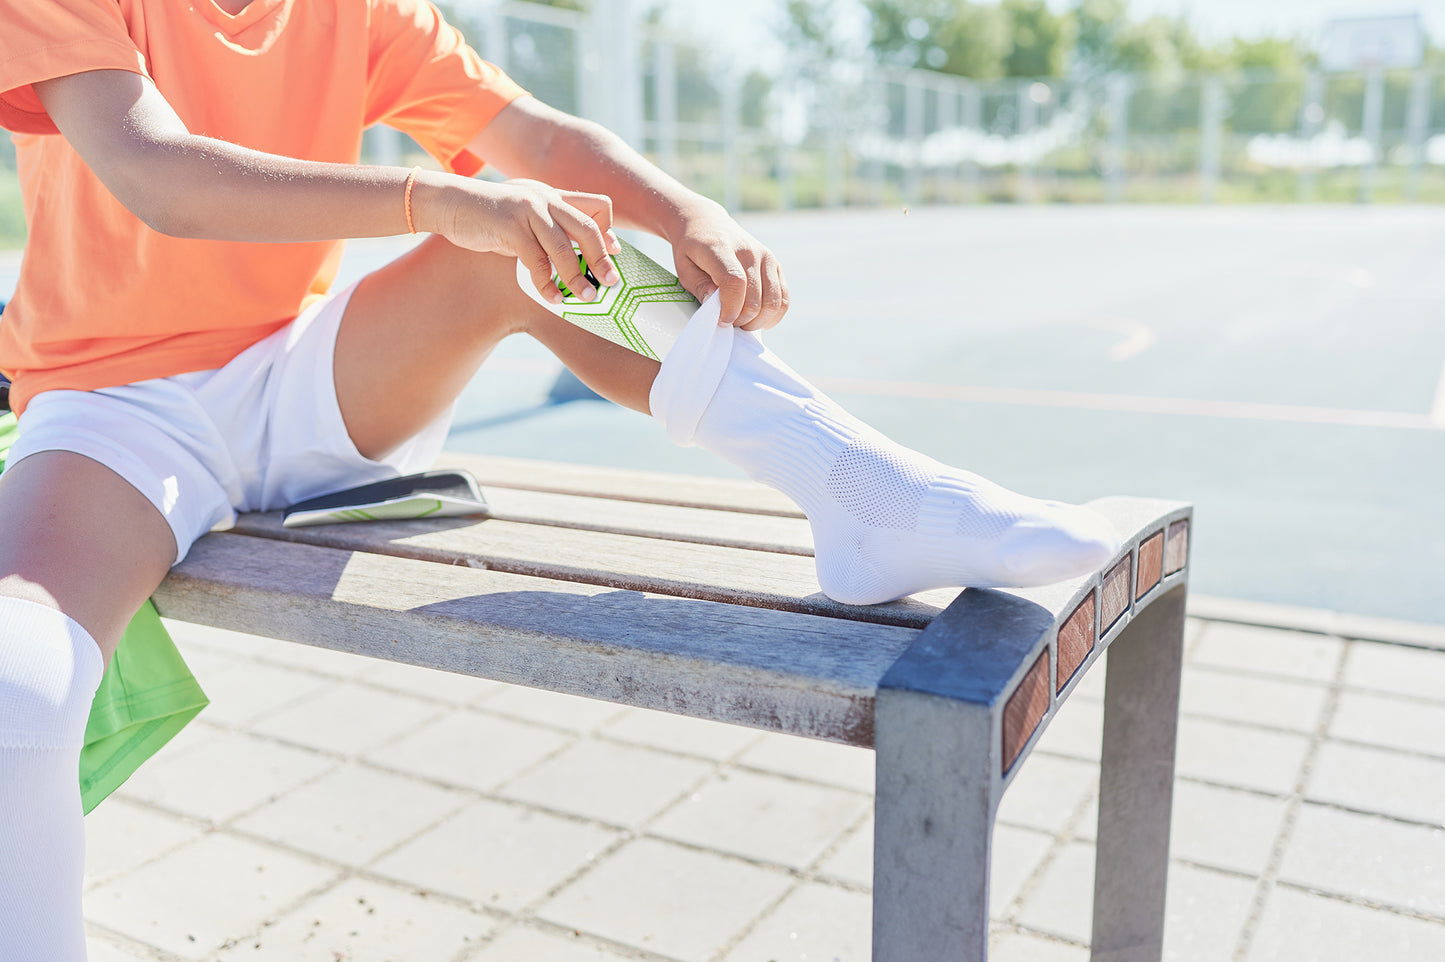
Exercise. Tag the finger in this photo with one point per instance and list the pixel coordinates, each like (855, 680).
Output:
(599, 208)
(775, 297)
(694, 279)
(564, 258)
(588, 235)
(539, 268)
(753, 296)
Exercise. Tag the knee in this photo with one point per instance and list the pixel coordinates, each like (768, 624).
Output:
(50, 669)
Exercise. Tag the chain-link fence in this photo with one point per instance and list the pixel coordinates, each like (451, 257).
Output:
(829, 134)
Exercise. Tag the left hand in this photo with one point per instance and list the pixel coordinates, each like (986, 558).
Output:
(713, 253)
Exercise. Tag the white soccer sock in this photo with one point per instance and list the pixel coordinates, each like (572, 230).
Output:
(49, 671)
(887, 521)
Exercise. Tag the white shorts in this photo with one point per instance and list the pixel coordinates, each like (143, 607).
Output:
(263, 432)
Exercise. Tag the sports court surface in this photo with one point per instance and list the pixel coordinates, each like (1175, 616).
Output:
(1281, 367)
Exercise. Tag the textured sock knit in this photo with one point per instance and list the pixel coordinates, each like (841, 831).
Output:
(886, 521)
(49, 671)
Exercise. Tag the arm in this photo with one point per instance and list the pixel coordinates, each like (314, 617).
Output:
(712, 252)
(187, 185)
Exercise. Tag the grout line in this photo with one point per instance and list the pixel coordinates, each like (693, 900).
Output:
(1269, 878)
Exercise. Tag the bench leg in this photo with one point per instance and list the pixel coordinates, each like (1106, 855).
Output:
(935, 802)
(1136, 783)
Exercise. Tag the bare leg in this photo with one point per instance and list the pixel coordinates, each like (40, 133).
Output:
(417, 330)
(80, 550)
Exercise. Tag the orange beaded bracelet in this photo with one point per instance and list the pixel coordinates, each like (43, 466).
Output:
(410, 183)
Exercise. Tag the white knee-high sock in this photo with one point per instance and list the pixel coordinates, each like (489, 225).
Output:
(887, 521)
(49, 671)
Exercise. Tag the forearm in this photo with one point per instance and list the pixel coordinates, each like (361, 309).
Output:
(203, 188)
(535, 141)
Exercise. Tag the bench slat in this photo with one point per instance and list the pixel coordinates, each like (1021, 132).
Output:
(714, 573)
(759, 532)
(650, 487)
(775, 670)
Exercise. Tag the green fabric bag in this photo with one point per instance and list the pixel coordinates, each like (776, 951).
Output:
(146, 696)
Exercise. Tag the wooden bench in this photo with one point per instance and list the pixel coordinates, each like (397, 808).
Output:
(697, 596)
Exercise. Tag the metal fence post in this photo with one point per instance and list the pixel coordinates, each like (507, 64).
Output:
(664, 98)
(913, 134)
(731, 132)
(1417, 123)
(1211, 133)
(1370, 124)
(1311, 119)
(970, 118)
(1119, 91)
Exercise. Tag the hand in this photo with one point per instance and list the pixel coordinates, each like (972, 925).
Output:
(536, 224)
(713, 253)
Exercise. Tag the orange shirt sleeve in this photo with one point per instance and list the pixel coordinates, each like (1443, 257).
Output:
(424, 80)
(56, 38)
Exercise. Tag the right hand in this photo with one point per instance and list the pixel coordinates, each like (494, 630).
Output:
(530, 221)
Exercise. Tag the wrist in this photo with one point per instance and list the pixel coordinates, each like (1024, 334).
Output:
(430, 204)
(679, 213)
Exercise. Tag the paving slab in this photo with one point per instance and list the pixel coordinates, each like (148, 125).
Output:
(478, 822)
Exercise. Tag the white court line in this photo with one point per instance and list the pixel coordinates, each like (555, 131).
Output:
(1139, 404)
(1437, 410)
(1084, 401)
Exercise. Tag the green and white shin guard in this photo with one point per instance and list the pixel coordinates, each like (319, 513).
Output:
(886, 521)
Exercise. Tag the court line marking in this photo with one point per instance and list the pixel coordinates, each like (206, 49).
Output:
(1437, 410)
(1086, 401)
(1137, 404)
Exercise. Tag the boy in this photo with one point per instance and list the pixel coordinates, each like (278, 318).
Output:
(188, 168)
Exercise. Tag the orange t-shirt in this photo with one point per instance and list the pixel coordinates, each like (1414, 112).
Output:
(103, 299)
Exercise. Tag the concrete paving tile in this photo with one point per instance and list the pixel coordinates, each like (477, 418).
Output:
(1375, 780)
(468, 748)
(121, 836)
(1017, 853)
(1204, 911)
(429, 683)
(353, 814)
(1240, 755)
(1223, 828)
(223, 776)
(1390, 720)
(241, 689)
(1023, 947)
(763, 817)
(502, 856)
(678, 733)
(529, 945)
(1047, 792)
(347, 719)
(198, 898)
(1393, 668)
(852, 861)
(1368, 857)
(667, 899)
(1273, 703)
(1273, 651)
(361, 921)
(1077, 731)
(844, 766)
(98, 948)
(609, 781)
(815, 923)
(1061, 901)
(290, 654)
(1020, 946)
(552, 708)
(1299, 925)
